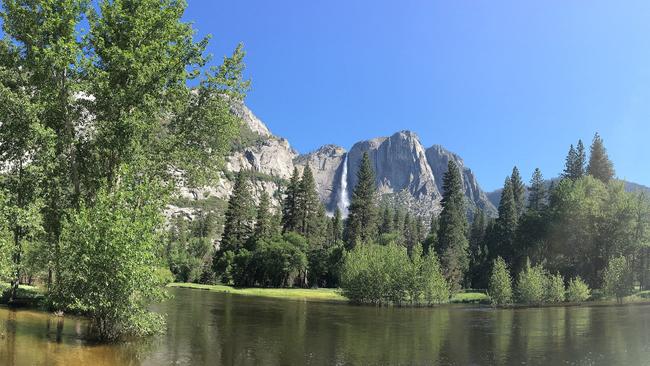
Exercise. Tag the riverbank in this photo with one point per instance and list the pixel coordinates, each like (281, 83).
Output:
(320, 294)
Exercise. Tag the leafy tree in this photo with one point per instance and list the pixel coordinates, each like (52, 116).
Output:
(617, 279)
(518, 191)
(600, 167)
(362, 220)
(189, 248)
(435, 289)
(555, 291)
(452, 240)
(531, 285)
(578, 290)
(500, 288)
(109, 271)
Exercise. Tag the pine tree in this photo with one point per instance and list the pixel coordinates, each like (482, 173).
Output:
(386, 221)
(290, 214)
(240, 216)
(337, 226)
(518, 191)
(581, 160)
(507, 222)
(264, 223)
(362, 220)
(452, 240)
(477, 252)
(600, 167)
(308, 204)
(432, 238)
(574, 166)
(569, 164)
(537, 195)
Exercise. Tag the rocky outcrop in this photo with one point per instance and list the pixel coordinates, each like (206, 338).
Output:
(438, 157)
(327, 166)
(407, 174)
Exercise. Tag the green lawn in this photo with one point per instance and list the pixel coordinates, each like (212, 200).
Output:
(469, 297)
(321, 294)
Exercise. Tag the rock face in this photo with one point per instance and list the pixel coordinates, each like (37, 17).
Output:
(406, 173)
(327, 166)
(438, 158)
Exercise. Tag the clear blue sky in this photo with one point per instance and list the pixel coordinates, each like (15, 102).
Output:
(499, 82)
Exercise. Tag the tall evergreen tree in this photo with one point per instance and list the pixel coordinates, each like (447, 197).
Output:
(290, 207)
(452, 240)
(581, 160)
(240, 216)
(537, 195)
(477, 251)
(386, 221)
(308, 204)
(518, 191)
(569, 164)
(362, 220)
(264, 223)
(507, 222)
(337, 226)
(432, 238)
(600, 167)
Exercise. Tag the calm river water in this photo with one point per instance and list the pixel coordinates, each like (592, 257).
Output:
(206, 328)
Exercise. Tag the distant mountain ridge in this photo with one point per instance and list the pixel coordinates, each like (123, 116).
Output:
(407, 174)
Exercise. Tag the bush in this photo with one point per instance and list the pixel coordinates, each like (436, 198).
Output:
(531, 285)
(379, 275)
(555, 291)
(500, 286)
(578, 290)
(435, 288)
(617, 279)
(110, 269)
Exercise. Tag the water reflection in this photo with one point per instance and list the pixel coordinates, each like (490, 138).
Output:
(219, 329)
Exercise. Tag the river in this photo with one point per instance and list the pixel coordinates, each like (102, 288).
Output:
(207, 328)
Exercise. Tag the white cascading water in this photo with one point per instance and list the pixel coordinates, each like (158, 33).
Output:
(344, 198)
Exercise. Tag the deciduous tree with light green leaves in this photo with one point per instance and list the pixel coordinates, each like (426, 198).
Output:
(500, 286)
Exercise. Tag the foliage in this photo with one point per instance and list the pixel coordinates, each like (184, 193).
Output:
(531, 285)
(600, 167)
(452, 244)
(617, 278)
(555, 291)
(189, 248)
(500, 288)
(380, 275)
(578, 290)
(109, 272)
(362, 219)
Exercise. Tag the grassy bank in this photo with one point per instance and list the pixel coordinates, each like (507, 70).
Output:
(321, 294)
(27, 296)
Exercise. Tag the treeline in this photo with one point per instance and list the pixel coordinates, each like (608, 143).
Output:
(569, 230)
(97, 122)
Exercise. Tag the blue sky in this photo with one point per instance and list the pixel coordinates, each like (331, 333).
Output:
(501, 83)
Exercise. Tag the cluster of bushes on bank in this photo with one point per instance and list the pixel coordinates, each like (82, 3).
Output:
(386, 274)
(534, 286)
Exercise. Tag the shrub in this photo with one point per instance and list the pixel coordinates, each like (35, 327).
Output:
(435, 288)
(500, 286)
(578, 290)
(531, 285)
(555, 291)
(617, 279)
(377, 274)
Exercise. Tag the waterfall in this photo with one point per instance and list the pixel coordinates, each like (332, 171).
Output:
(344, 198)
